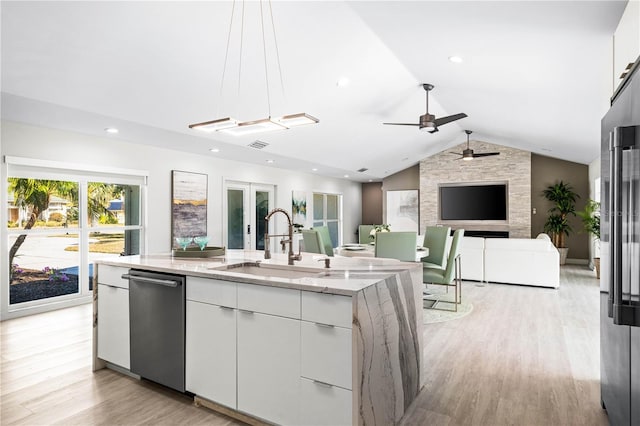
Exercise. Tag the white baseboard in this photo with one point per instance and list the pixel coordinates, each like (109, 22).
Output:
(577, 261)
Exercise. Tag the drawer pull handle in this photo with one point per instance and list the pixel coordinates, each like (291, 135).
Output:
(229, 308)
(246, 312)
(319, 324)
(326, 385)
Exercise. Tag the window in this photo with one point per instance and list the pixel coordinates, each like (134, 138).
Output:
(327, 211)
(58, 223)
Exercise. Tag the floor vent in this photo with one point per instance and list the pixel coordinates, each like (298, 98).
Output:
(364, 169)
(258, 144)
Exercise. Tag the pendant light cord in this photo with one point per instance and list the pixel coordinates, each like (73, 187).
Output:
(226, 56)
(264, 51)
(275, 41)
(241, 45)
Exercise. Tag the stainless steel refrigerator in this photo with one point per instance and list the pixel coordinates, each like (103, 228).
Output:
(620, 255)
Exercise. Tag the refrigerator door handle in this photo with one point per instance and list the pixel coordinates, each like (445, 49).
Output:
(625, 310)
(613, 167)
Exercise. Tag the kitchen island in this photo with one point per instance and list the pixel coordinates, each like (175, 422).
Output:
(300, 344)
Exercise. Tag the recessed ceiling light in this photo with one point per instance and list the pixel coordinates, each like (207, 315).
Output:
(214, 150)
(455, 59)
(346, 176)
(111, 130)
(342, 82)
(370, 180)
(270, 161)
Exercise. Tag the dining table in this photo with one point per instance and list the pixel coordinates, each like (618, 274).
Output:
(369, 250)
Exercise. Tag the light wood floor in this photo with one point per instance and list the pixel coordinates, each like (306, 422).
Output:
(524, 356)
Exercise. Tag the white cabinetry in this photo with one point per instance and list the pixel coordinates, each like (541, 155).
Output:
(326, 359)
(269, 353)
(626, 40)
(278, 354)
(269, 367)
(210, 352)
(113, 311)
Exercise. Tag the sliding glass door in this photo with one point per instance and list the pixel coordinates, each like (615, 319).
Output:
(58, 223)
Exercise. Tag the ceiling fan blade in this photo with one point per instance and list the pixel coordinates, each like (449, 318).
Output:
(455, 153)
(433, 131)
(448, 119)
(403, 124)
(485, 154)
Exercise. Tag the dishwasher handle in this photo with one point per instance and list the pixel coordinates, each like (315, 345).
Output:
(166, 283)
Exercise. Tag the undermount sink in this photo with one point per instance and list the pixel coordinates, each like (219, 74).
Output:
(269, 271)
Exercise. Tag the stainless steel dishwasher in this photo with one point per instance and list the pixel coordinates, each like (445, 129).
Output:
(157, 326)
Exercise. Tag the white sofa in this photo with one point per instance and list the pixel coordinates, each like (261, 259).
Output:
(472, 258)
(525, 261)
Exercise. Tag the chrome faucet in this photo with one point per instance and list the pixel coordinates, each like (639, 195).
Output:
(267, 252)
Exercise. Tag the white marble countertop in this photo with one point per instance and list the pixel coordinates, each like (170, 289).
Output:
(346, 276)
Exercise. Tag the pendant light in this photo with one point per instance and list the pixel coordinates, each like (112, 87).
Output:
(235, 127)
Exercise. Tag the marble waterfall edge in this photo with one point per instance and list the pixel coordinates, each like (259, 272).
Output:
(388, 342)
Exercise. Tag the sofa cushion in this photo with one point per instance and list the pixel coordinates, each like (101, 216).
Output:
(527, 244)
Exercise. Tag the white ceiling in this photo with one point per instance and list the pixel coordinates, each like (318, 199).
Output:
(536, 76)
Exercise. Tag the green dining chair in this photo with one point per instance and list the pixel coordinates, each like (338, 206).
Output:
(312, 241)
(450, 276)
(396, 245)
(325, 238)
(364, 232)
(436, 239)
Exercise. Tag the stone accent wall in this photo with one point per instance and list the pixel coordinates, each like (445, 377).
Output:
(512, 165)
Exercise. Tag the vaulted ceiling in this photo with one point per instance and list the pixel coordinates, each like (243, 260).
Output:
(535, 75)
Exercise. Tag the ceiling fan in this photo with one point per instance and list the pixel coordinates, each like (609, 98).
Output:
(467, 154)
(429, 122)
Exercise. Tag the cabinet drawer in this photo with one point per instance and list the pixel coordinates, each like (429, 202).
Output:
(112, 275)
(325, 308)
(324, 405)
(283, 302)
(216, 292)
(326, 354)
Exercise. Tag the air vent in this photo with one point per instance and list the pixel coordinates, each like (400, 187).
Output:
(258, 144)
(364, 169)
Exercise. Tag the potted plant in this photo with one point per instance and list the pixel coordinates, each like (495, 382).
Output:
(379, 228)
(591, 222)
(557, 224)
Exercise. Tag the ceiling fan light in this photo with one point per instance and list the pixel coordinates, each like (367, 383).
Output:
(256, 126)
(427, 127)
(467, 157)
(215, 125)
(299, 119)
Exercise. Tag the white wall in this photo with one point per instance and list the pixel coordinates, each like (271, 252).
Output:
(36, 142)
(22, 140)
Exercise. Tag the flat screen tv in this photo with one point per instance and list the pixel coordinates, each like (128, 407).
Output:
(473, 202)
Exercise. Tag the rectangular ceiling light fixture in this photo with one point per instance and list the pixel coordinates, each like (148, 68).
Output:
(215, 125)
(294, 120)
(249, 127)
(236, 128)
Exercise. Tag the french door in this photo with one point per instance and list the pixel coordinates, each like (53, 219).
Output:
(246, 205)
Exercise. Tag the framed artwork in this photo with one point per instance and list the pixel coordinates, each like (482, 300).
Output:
(403, 210)
(299, 207)
(188, 205)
